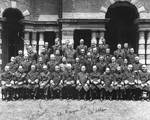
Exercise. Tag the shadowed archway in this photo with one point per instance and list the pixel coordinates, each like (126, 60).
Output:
(12, 33)
(122, 26)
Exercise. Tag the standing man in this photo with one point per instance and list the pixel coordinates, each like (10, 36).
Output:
(80, 47)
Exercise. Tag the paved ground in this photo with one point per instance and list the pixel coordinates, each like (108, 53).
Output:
(74, 110)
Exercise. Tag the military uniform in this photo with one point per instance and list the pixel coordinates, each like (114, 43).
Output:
(119, 52)
(56, 84)
(89, 63)
(107, 58)
(118, 85)
(32, 56)
(19, 59)
(78, 49)
(95, 84)
(20, 84)
(70, 55)
(69, 84)
(129, 82)
(57, 47)
(107, 79)
(13, 66)
(137, 66)
(51, 65)
(33, 84)
(7, 83)
(102, 49)
(82, 84)
(44, 84)
(126, 52)
(113, 66)
(101, 67)
(131, 58)
(26, 65)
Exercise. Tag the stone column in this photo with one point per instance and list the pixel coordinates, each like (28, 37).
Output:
(94, 36)
(34, 42)
(26, 42)
(41, 42)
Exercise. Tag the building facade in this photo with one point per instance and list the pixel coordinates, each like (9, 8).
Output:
(118, 21)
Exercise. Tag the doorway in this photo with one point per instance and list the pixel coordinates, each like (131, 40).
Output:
(12, 33)
(49, 37)
(122, 26)
(82, 34)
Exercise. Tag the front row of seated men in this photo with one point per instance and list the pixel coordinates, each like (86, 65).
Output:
(120, 84)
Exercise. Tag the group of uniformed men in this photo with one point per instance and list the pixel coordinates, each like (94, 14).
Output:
(85, 73)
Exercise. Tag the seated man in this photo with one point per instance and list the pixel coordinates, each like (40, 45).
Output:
(69, 83)
(44, 82)
(117, 84)
(20, 83)
(107, 79)
(95, 83)
(7, 82)
(56, 83)
(32, 81)
(144, 82)
(83, 83)
(129, 82)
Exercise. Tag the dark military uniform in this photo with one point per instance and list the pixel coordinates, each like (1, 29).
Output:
(45, 57)
(57, 47)
(119, 52)
(13, 66)
(89, 63)
(58, 59)
(137, 66)
(118, 85)
(120, 61)
(26, 65)
(131, 57)
(113, 66)
(78, 49)
(69, 84)
(51, 65)
(56, 84)
(76, 68)
(126, 52)
(102, 49)
(83, 85)
(20, 84)
(129, 82)
(82, 59)
(107, 78)
(19, 59)
(33, 84)
(70, 55)
(101, 67)
(32, 56)
(7, 83)
(95, 85)
(144, 78)
(107, 58)
(44, 84)
(95, 57)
